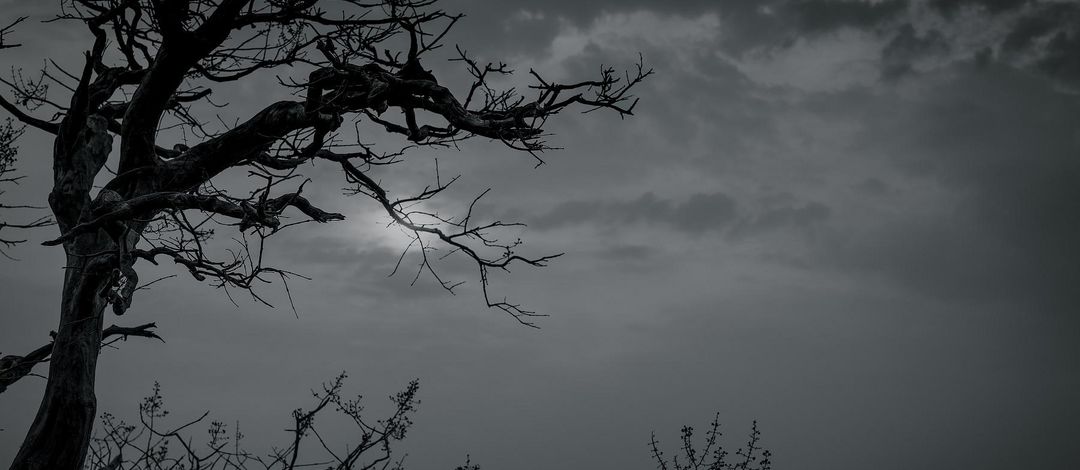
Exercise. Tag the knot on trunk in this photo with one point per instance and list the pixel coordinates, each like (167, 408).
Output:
(127, 282)
(106, 201)
(347, 86)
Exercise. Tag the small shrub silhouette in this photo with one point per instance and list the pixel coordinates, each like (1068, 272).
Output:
(712, 455)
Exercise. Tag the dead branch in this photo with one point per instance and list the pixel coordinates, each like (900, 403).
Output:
(13, 368)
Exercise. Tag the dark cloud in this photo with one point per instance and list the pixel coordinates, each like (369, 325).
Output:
(1062, 57)
(1048, 33)
(703, 212)
(700, 213)
(522, 25)
(829, 15)
(634, 258)
(794, 215)
(1042, 36)
(1035, 25)
(581, 13)
(806, 15)
(908, 46)
(950, 8)
(779, 24)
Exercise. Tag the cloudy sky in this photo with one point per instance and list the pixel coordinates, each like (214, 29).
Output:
(856, 222)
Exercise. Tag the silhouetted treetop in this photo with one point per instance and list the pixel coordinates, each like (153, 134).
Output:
(146, 89)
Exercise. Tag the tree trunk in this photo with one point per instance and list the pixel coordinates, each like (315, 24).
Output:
(60, 434)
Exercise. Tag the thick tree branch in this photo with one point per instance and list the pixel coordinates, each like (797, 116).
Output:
(178, 54)
(263, 213)
(41, 124)
(13, 368)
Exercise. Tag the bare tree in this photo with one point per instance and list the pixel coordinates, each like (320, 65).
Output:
(148, 79)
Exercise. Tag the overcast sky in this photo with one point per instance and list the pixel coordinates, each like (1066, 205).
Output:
(854, 221)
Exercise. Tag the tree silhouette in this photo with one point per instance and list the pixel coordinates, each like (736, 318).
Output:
(711, 455)
(146, 84)
(150, 443)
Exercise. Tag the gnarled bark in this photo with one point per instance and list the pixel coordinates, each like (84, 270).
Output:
(61, 431)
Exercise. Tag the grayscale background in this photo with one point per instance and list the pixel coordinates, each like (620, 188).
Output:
(857, 222)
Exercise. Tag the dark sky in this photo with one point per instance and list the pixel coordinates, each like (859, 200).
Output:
(854, 221)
